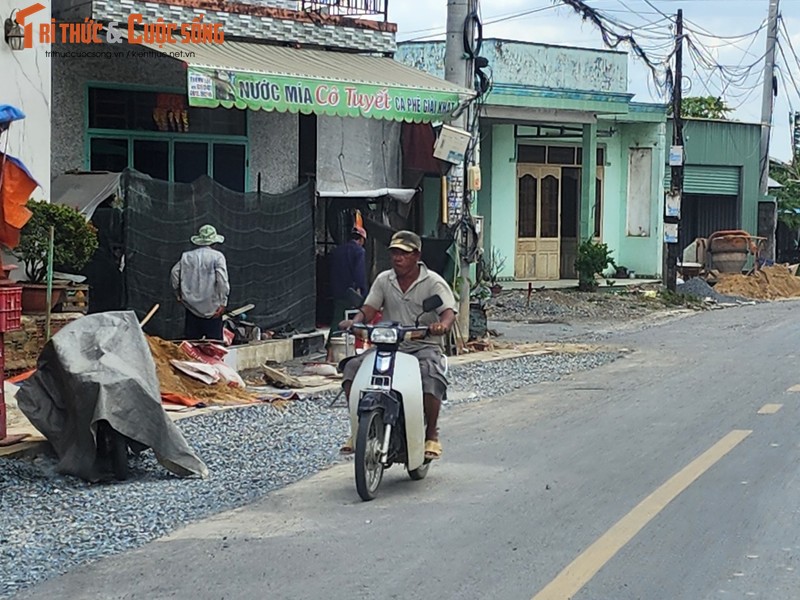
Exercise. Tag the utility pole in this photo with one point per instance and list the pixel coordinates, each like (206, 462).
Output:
(672, 222)
(459, 69)
(767, 106)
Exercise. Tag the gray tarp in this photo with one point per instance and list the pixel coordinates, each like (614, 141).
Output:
(100, 368)
(357, 154)
(84, 191)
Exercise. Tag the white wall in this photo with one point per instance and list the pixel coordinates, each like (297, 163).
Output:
(640, 184)
(25, 83)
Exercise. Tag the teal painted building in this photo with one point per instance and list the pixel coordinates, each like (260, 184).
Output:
(565, 155)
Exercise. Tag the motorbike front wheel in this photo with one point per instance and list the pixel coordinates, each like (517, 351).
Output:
(420, 472)
(369, 469)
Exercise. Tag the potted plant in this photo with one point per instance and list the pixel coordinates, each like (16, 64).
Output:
(593, 259)
(492, 267)
(74, 244)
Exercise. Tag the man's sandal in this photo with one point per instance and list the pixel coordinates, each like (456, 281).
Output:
(433, 450)
(347, 448)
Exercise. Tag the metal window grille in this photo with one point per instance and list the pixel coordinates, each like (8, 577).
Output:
(348, 8)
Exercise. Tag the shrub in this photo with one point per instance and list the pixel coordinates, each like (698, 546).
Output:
(493, 266)
(75, 240)
(593, 259)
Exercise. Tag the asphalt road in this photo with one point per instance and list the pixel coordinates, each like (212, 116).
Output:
(653, 478)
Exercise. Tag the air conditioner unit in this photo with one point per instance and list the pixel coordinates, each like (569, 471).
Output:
(451, 145)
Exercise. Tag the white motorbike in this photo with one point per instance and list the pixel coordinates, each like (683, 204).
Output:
(386, 407)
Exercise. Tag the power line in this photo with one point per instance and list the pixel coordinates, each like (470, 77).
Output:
(788, 69)
(788, 39)
(702, 31)
(492, 20)
(611, 38)
(651, 40)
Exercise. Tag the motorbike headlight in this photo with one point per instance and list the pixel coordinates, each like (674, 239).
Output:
(384, 336)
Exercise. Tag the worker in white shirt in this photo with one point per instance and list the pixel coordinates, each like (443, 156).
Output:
(200, 281)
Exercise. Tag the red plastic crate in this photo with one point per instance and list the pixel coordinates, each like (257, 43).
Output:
(3, 431)
(10, 308)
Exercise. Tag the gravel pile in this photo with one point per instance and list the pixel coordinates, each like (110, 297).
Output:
(699, 288)
(553, 306)
(50, 523)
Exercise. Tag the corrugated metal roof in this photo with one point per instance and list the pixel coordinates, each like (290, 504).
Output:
(341, 67)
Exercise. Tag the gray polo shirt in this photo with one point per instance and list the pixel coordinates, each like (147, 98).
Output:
(201, 279)
(385, 295)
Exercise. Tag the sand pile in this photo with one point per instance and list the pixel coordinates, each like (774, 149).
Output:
(174, 382)
(769, 283)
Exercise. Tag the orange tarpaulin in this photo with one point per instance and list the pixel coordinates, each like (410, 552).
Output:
(21, 377)
(174, 398)
(171, 397)
(16, 187)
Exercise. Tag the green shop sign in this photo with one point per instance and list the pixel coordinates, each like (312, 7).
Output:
(211, 88)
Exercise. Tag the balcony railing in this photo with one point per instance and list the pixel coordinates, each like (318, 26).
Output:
(348, 8)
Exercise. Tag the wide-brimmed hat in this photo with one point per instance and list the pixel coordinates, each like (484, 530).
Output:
(407, 241)
(207, 236)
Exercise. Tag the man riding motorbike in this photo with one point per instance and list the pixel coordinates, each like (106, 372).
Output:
(399, 293)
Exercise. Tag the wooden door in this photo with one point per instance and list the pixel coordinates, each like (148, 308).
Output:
(538, 222)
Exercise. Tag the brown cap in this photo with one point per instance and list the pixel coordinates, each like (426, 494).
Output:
(407, 241)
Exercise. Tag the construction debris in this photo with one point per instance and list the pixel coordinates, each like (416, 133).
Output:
(280, 379)
(482, 345)
(180, 388)
(767, 283)
(699, 288)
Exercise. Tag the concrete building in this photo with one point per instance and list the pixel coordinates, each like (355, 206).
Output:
(115, 101)
(26, 75)
(566, 155)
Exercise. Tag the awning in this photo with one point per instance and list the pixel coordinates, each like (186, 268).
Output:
(262, 77)
(84, 191)
(401, 194)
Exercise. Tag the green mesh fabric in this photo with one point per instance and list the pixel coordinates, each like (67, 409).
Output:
(269, 247)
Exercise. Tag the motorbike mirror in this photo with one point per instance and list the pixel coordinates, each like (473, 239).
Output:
(355, 299)
(429, 305)
(432, 303)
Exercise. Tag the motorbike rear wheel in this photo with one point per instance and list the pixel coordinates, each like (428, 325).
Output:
(420, 472)
(369, 469)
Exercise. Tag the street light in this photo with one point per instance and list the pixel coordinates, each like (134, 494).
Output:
(14, 35)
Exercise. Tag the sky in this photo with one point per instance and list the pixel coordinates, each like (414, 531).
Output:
(726, 57)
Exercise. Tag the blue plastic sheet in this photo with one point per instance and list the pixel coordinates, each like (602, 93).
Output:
(10, 113)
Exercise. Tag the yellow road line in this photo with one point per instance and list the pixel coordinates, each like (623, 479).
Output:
(578, 573)
(769, 409)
